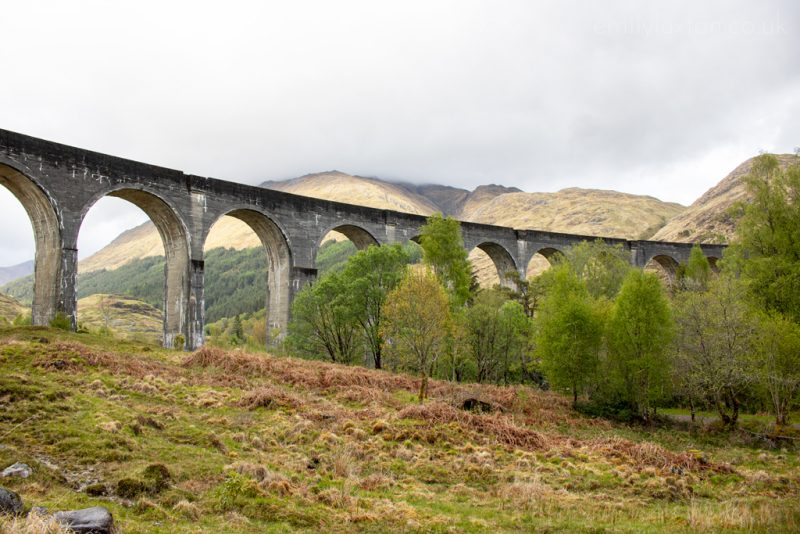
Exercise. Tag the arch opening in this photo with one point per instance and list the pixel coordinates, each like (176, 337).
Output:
(490, 265)
(260, 281)
(713, 262)
(340, 243)
(170, 239)
(44, 295)
(665, 267)
(235, 280)
(542, 260)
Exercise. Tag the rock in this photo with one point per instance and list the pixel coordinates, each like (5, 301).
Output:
(10, 503)
(38, 510)
(94, 520)
(18, 469)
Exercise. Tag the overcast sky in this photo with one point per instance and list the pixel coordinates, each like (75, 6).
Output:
(658, 98)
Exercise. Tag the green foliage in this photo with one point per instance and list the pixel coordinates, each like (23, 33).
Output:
(640, 331)
(600, 266)
(714, 336)
(443, 251)
(416, 325)
(322, 321)
(23, 319)
(768, 236)
(61, 321)
(777, 363)
(236, 282)
(697, 272)
(483, 326)
(570, 333)
(332, 255)
(367, 278)
(254, 330)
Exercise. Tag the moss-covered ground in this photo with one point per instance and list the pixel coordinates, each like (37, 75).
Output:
(258, 443)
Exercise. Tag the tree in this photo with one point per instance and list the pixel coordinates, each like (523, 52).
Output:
(601, 266)
(237, 332)
(322, 321)
(368, 277)
(516, 338)
(768, 236)
(695, 275)
(443, 250)
(714, 338)
(483, 326)
(777, 363)
(416, 320)
(639, 334)
(570, 333)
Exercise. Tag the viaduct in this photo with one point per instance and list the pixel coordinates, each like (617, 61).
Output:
(58, 184)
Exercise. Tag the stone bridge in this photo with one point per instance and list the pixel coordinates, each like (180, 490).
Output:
(58, 184)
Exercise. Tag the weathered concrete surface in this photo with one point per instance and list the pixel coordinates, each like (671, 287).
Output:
(58, 184)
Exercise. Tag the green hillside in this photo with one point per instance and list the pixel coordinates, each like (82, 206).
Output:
(236, 280)
(259, 443)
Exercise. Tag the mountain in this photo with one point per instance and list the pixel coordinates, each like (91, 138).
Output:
(578, 211)
(707, 219)
(7, 274)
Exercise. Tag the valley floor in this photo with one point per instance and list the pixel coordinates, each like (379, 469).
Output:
(255, 443)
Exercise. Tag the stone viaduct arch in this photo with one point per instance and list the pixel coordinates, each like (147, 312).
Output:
(278, 269)
(58, 184)
(47, 234)
(174, 237)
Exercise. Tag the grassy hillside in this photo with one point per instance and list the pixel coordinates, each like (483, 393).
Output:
(258, 443)
(10, 308)
(122, 317)
(708, 219)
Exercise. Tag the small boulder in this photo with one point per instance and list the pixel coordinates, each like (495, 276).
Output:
(94, 520)
(18, 469)
(10, 503)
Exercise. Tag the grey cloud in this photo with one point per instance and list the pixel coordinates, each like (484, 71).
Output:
(655, 98)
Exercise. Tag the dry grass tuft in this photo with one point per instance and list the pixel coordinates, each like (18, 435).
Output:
(32, 524)
(268, 396)
(501, 427)
(187, 509)
(647, 454)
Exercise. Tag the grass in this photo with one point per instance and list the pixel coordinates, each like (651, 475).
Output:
(258, 443)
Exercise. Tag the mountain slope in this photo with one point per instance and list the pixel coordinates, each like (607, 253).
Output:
(254, 443)
(372, 192)
(10, 308)
(707, 219)
(578, 211)
(7, 274)
(125, 317)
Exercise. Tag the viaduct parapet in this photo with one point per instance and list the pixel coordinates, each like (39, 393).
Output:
(58, 184)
